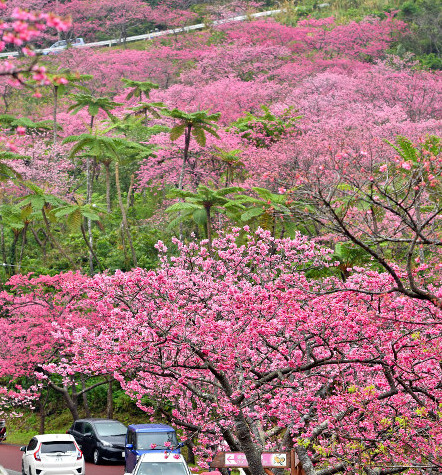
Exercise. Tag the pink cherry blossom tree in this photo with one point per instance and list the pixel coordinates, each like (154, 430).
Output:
(250, 350)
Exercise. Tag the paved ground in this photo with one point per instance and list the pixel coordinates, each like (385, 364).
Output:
(10, 458)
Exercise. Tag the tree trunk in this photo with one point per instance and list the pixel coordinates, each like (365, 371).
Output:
(110, 399)
(91, 250)
(42, 411)
(54, 241)
(129, 200)
(209, 227)
(2, 229)
(247, 445)
(89, 178)
(22, 248)
(89, 221)
(40, 243)
(123, 243)
(305, 460)
(13, 252)
(6, 102)
(183, 168)
(84, 396)
(123, 214)
(55, 113)
(190, 453)
(108, 199)
(71, 401)
(185, 155)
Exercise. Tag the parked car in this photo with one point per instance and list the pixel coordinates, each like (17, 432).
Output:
(2, 430)
(52, 454)
(100, 439)
(148, 438)
(62, 45)
(160, 463)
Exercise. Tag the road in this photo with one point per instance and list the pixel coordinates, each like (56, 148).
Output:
(155, 34)
(10, 458)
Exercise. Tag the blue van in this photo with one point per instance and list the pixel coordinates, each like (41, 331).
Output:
(139, 440)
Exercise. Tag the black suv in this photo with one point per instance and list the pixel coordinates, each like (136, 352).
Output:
(100, 439)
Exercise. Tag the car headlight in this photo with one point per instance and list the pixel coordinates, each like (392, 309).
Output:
(105, 443)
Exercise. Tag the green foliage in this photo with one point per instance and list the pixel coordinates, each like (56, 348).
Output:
(268, 128)
(201, 205)
(197, 123)
(430, 61)
(139, 88)
(424, 17)
(409, 152)
(272, 210)
(37, 128)
(216, 37)
(93, 104)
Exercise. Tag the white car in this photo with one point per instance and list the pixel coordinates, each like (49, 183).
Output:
(52, 454)
(61, 45)
(161, 463)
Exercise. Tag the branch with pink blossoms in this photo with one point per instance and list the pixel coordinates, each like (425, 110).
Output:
(24, 27)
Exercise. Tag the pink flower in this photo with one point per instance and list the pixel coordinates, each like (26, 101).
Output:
(28, 52)
(383, 168)
(167, 444)
(176, 456)
(152, 446)
(406, 165)
(21, 130)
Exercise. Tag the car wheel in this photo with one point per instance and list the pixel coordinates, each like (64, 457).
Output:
(97, 457)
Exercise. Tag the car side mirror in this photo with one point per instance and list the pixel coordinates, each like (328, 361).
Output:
(129, 446)
(23, 448)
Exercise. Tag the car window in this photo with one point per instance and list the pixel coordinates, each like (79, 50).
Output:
(146, 439)
(32, 444)
(87, 428)
(78, 426)
(58, 446)
(161, 468)
(110, 428)
(131, 437)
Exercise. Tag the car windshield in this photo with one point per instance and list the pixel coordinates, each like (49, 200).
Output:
(161, 468)
(59, 43)
(146, 439)
(59, 446)
(110, 428)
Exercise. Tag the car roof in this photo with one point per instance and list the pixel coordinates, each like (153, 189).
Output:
(92, 420)
(161, 457)
(151, 428)
(54, 438)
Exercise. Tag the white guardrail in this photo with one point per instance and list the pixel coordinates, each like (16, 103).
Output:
(149, 36)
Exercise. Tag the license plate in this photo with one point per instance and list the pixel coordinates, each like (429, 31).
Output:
(123, 454)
